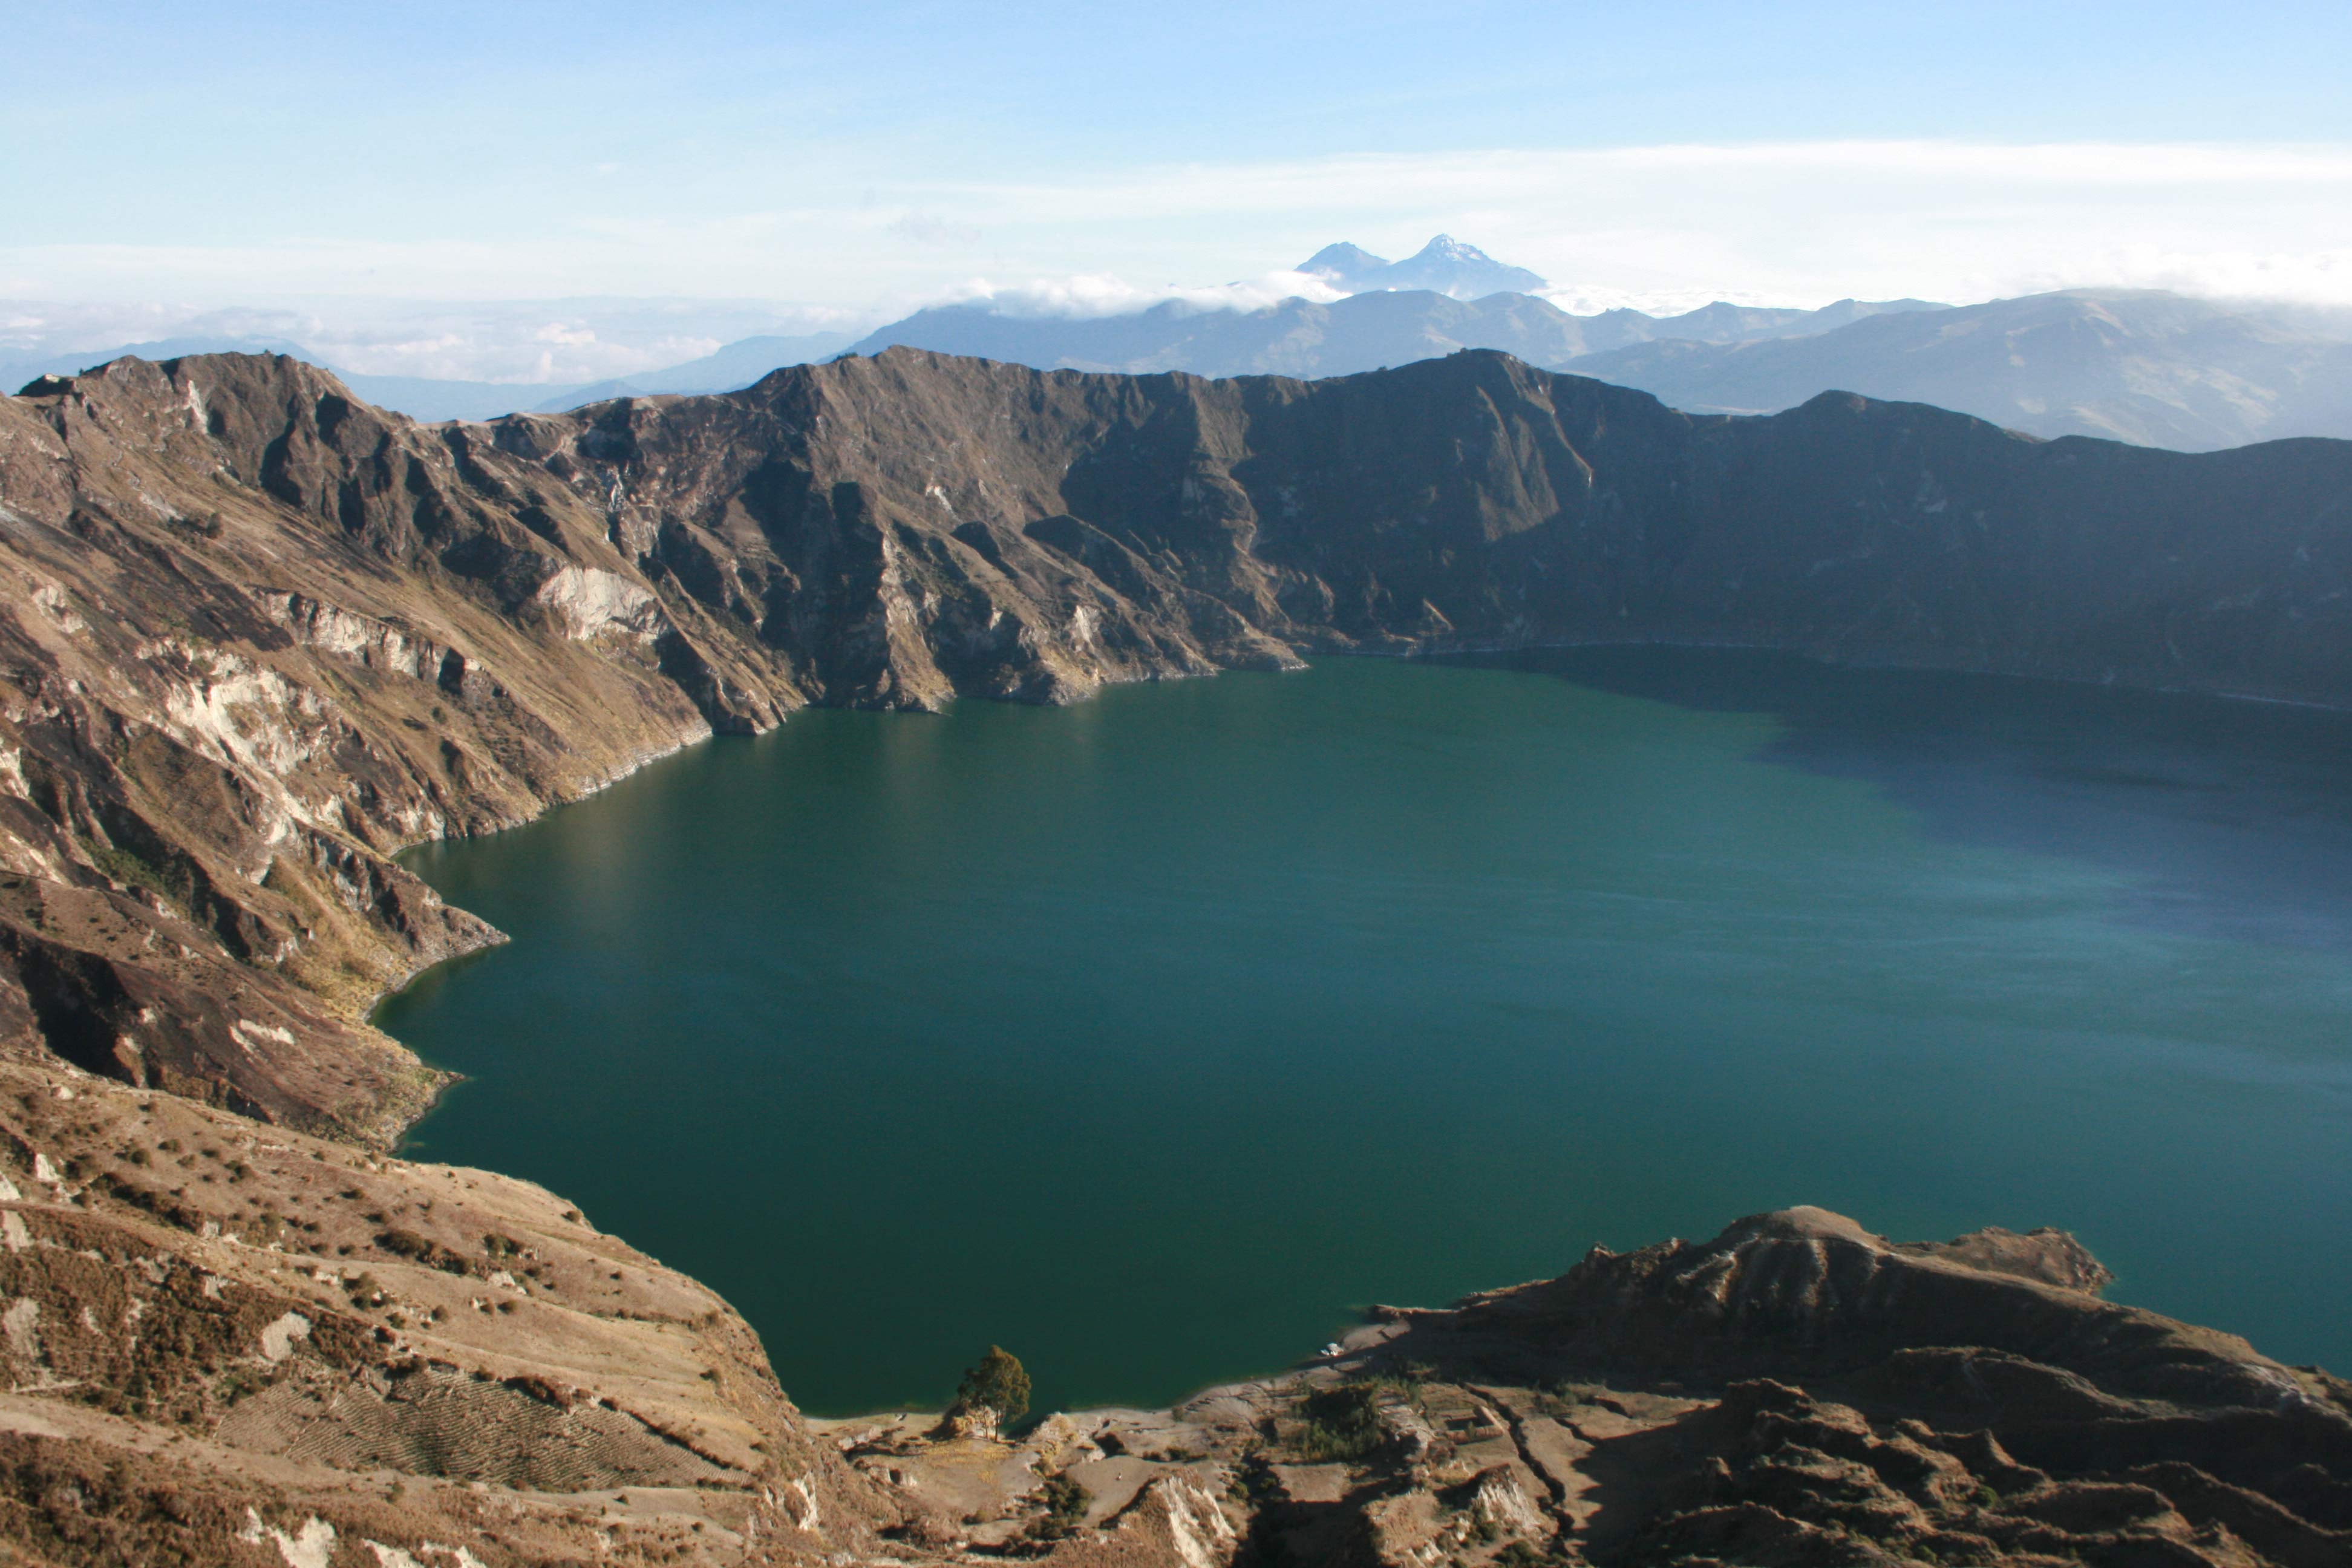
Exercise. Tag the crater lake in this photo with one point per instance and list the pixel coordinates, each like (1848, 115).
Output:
(1154, 1037)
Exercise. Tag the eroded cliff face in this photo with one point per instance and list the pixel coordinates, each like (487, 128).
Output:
(907, 526)
(258, 637)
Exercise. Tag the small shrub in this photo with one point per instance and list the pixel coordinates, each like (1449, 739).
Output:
(164, 1206)
(1254, 1481)
(422, 1249)
(239, 1384)
(132, 868)
(1067, 1502)
(1341, 1423)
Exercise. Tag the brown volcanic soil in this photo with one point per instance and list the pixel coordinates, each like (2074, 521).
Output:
(258, 637)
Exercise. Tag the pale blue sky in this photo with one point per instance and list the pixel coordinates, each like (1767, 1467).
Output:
(858, 159)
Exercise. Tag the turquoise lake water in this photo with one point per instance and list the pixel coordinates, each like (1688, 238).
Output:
(1153, 1036)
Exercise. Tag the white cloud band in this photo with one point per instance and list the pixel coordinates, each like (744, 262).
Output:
(1661, 227)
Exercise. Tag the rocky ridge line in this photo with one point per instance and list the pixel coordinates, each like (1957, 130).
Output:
(262, 635)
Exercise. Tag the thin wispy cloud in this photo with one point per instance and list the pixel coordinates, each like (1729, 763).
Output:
(1101, 294)
(1798, 222)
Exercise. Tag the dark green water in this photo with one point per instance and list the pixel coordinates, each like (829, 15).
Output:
(1150, 1036)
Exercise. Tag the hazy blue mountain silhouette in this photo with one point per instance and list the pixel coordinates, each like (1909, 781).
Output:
(1307, 338)
(2154, 368)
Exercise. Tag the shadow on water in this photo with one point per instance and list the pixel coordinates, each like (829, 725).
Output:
(2229, 819)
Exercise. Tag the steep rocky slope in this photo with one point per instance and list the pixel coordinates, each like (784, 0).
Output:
(258, 637)
(1095, 527)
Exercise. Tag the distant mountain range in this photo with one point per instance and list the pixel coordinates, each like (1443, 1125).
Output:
(1302, 338)
(2154, 368)
(2144, 366)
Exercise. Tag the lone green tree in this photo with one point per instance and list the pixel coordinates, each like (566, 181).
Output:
(999, 1384)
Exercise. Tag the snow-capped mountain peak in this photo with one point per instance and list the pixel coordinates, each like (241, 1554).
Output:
(1444, 266)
